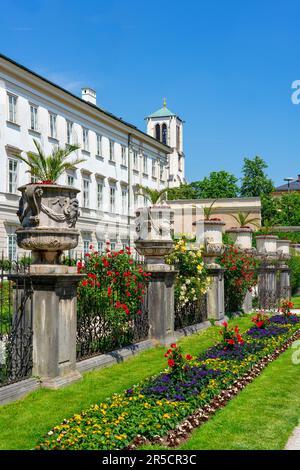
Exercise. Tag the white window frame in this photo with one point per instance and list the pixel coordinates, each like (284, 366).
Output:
(100, 195)
(34, 122)
(100, 246)
(123, 155)
(70, 180)
(145, 164)
(111, 151)
(85, 139)
(86, 245)
(113, 245)
(124, 200)
(12, 247)
(154, 168)
(12, 107)
(112, 199)
(69, 130)
(12, 183)
(53, 125)
(136, 160)
(86, 192)
(99, 145)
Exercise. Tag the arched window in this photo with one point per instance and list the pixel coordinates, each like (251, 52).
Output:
(157, 132)
(164, 134)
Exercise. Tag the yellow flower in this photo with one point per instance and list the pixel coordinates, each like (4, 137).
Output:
(199, 268)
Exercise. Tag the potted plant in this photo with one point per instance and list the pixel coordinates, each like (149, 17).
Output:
(48, 211)
(266, 243)
(242, 235)
(154, 226)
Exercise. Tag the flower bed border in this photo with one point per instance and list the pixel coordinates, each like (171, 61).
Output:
(181, 433)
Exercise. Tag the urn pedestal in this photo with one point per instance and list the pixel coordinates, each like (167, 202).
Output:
(283, 252)
(154, 242)
(48, 214)
(267, 272)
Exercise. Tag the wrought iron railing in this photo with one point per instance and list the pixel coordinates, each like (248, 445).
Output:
(190, 313)
(15, 321)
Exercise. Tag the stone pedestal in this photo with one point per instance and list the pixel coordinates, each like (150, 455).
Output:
(215, 293)
(247, 304)
(267, 286)
(160, 302)
(54, 324)
(284, 281)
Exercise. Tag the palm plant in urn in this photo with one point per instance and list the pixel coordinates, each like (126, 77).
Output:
(154, 226)
(48, 211)
(242, 235)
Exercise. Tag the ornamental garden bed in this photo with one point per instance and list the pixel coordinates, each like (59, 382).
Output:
(166, 407)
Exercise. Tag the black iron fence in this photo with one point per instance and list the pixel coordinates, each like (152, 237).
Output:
(190, 313)
(100, 329)
(15, 321)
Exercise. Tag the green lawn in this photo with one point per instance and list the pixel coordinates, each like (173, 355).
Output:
(296, 301)
(24, 423)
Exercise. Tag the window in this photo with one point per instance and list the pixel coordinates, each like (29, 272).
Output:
(70, 180)
(157, 131)
(136, 200)
(99, 145)
(135, 160)
(111, 151)
(161, 171)
(86, 246)
(53, 131)
(12, 246)
(12, 175)
(100, 247)
(86, 192)
(12, 108)
(99, 196)
(123, 155)
(153, 169)
(145, 164)
(164, 134)
(146, 201)
(34, 179)
(85, 138)
(178, 137)
(112, 201)
(69, 132)
(113, 245)
(33, 118)
(124, 201)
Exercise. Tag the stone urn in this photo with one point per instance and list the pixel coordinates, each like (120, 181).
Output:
(154, 229)
(213, 243)
(266, 246)
(283, 249)
(242, 237)
(48, 214)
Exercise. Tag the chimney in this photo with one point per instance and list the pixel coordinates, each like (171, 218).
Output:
(89, 95)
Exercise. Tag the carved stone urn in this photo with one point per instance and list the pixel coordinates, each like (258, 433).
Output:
(213, 243)
(154, 226)
(283, 250)
(266, 246)
(48, 215)
(242, 237)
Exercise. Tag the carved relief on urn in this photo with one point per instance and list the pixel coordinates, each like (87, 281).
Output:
(48, 214)
(213, 243)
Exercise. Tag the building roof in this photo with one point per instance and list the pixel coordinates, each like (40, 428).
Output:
(107, 113)
(162, 112)
(293, 186)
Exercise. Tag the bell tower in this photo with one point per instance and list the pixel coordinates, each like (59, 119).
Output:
(167, 127)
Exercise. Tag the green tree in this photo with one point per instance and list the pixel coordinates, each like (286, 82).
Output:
(269, 209)
(289, 209)
(219, 184)
(184, 191)
(255, 181)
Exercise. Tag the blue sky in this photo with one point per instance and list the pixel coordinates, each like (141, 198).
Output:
(226, 67)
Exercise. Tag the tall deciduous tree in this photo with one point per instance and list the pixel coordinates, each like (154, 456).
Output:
(219, 184)
(255, 182)
(184, 191)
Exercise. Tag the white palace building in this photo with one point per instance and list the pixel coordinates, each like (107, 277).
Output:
(118, 155)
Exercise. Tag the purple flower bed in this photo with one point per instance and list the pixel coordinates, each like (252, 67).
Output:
(238, 352)
(168, 386)
(284, 320)
(267, 332)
